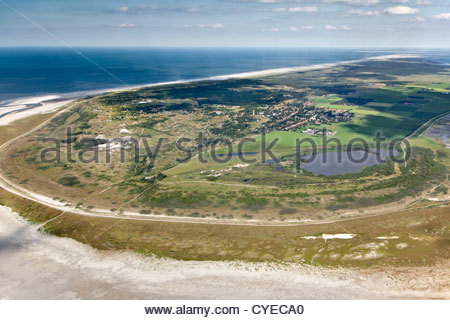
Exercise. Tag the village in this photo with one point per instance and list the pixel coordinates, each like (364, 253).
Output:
(288, 116)
(295, 116)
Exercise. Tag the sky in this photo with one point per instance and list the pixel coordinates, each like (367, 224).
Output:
(238, 23)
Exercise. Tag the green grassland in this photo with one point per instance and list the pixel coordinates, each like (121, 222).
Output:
(415, 237)
(395, 98)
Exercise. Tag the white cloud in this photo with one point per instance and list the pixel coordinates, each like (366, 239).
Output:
(401, 10)
(360, 12)
(356, 2)
(442, 16)
(206, 26)
(127, 25)
(303, 9)
(217, 26)
(274, 29)
(399, 1)
(331, 27)
(422, 3)
(193, 10)
(137, 10)
(420, 19)
(141, 10)
(296, 9)
(297, 29)
(261, 1)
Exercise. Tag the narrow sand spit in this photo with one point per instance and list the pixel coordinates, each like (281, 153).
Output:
(332, 236)
(25, 107)
(38, 266)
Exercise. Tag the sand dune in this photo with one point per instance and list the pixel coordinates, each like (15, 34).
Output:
(39, 266)
(34, 265)
(23, 107)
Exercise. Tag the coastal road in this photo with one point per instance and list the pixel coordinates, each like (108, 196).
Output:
(35, 265)
(8, 185)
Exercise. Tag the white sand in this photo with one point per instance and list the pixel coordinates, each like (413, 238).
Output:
(49, 105)
(38, 266)
(278, 71)
(332, 236)
(35, 265)
(31, 100)
(387, 238)
(18, 109)
(21, 111)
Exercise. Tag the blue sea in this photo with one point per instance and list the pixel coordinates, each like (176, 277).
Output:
(28, 72)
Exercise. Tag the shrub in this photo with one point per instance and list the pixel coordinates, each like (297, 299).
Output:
(252, 203)
(288, 211)
(69, 181)
(195, 214)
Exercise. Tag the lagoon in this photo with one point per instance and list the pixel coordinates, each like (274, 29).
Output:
(344, 162)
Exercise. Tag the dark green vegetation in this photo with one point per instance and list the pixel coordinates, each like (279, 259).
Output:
(413, 238)
(380, 95)
(396, 98)
(202, 94)
(381, 92)
(69, 181)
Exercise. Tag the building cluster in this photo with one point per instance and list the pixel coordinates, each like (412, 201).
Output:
(291, 117)
(319, 132)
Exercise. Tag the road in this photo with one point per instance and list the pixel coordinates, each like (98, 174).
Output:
(8, 185)
(38, 266)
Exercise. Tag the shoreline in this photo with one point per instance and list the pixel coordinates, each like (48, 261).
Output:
(48, 201)
(114, 273)
(78, 267)
(103, 213)
(15, 109)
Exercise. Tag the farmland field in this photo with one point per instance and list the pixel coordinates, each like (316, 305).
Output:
(205, 178)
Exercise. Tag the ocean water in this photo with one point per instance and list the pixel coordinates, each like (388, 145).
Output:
(28, 72)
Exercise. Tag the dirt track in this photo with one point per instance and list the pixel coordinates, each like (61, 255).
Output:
(37, 266)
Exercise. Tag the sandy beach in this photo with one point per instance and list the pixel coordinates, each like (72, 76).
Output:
(38, 266)
(51, 103)
(13, 110)
(22, 108)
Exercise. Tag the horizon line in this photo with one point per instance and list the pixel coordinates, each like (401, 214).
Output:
(225, 47)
